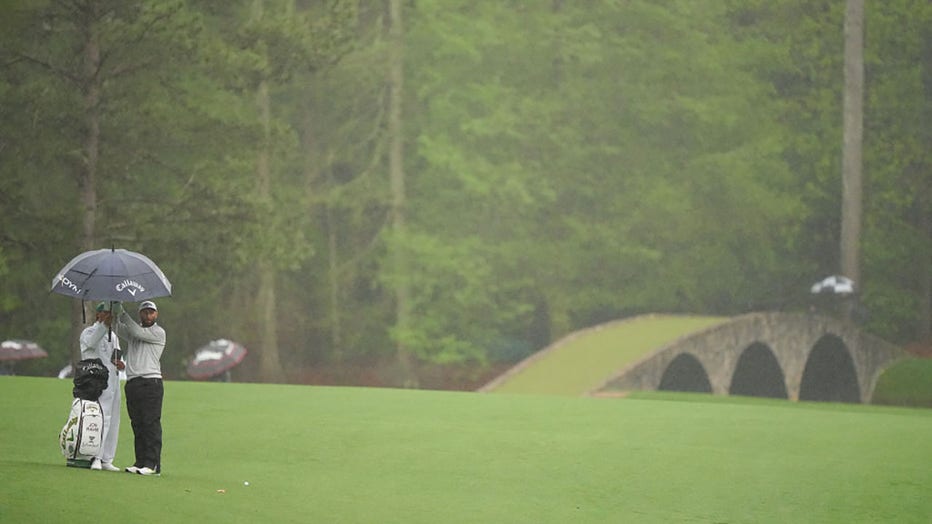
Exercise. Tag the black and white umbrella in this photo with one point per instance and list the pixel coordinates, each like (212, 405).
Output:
(219, 356)
(14, 350)
(116, 275)
(835, 284)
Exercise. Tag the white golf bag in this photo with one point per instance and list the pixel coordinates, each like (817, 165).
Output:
(82, 435)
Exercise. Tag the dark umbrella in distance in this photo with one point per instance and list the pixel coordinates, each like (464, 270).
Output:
(218, 356)
(14, 350)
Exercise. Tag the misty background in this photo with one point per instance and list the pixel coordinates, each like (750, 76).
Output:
(399, 186)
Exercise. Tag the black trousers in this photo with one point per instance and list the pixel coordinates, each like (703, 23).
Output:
(144, 404)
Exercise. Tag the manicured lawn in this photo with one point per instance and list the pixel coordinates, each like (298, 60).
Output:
(316, 454)
(577, 365)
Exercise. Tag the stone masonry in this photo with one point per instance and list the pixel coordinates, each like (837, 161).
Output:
(790, 337)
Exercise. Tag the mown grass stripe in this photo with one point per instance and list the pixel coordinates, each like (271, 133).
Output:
(584, 360)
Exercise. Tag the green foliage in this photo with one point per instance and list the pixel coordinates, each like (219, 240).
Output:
(906, 383)
(806, 74)
(566, 164)
(898, 225)
(460, 308)
(638, 102)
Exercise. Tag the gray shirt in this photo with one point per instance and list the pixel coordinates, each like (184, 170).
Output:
(143, 347)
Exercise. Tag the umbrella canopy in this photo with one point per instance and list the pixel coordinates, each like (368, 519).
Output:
(12, 350)
(835, 284)
(116, 275)
(215, 358)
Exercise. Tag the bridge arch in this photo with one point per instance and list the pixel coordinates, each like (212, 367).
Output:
(829, 374)
(685, 373)
(818, 358)
(758, 374)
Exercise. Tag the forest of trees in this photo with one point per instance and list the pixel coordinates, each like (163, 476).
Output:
(455, 181)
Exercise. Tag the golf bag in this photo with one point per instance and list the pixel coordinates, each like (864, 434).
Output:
(82, 436)
(90, 379)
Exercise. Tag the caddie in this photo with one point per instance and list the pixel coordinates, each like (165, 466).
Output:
(97, 341)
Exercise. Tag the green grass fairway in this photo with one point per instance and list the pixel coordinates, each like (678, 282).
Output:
(332, 455)
(582, 362)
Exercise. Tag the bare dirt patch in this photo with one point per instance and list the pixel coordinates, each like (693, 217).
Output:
(921, 349)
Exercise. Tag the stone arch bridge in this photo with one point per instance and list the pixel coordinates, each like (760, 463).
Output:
(797, 356)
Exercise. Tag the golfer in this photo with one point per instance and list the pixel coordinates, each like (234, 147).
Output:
(144, 344)
(98, 342)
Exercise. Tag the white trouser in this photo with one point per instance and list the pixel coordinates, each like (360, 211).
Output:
(110, 403)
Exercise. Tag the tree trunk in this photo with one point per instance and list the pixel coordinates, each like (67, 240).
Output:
(314, 162)
(397, 176)
(924, 327)
(333, 263)
(87, 170)
(270, 368)
(852, 148)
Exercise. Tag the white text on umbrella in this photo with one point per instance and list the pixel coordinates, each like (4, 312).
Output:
(68, 284)
(130, 283)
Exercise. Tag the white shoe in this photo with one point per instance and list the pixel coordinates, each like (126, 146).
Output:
(146, 471)
(132, 469)
(109, 466)
(95, 464)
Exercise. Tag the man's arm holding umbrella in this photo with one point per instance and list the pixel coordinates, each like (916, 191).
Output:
(90, 338)
(92, 335)
(128, 328)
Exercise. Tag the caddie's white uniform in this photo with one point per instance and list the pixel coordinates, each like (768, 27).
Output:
(95, 344)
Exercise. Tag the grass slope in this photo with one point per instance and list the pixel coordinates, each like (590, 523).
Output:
(316, 454)
(584, 361)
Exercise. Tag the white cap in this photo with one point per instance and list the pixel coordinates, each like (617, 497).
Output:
(148, 304)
